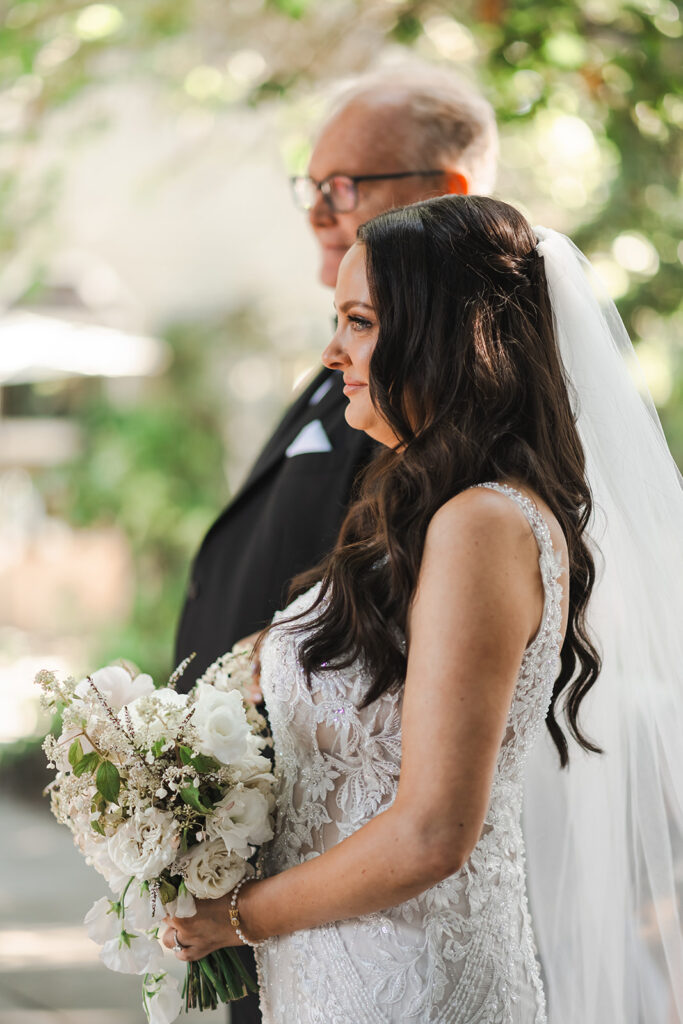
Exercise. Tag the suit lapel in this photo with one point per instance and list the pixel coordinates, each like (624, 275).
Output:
(300, 413)
(292, 423)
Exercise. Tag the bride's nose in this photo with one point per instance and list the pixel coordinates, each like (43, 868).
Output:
(334, 356)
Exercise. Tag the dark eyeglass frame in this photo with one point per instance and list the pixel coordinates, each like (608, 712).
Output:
(324, 186)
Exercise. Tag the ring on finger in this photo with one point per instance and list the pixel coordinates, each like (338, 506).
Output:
(177, 947)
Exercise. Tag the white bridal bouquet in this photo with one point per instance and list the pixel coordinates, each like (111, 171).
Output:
(167, 795)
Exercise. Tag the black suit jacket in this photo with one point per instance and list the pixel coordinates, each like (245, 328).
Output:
(284, 519)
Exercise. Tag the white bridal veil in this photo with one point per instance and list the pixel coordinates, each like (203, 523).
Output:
(605, 836)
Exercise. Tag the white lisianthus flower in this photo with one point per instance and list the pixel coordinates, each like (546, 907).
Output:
(145, 844)
(254, 767)
(221, 724)
(102, 921)
(209, 870)
(116, 685)
(241, 818)
(163, 1002)
(134, 954)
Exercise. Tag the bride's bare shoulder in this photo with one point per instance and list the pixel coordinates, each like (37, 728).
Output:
(484, 515)
(477, 510)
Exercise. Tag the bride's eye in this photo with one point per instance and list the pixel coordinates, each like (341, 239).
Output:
(360, 323)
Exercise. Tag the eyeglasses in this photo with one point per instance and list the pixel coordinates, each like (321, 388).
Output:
(340, 191)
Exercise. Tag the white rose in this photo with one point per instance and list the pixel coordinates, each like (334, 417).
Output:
(145, 844)
(221, 724)
(209, 870)
(116, 685)
(241, 818)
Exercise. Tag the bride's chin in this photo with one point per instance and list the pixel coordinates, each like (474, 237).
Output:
(373, 426)
(356, 419)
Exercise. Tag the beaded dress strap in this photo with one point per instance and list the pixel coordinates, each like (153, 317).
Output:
(549, 563)
(536, 520)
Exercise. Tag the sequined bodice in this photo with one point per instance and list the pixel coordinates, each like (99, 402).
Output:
(461, 952)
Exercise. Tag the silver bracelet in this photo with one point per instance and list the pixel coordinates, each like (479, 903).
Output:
(235, 915)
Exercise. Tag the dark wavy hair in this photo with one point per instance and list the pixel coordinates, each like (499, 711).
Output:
(467, 373)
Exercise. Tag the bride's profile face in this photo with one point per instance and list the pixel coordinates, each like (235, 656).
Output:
(351, 348)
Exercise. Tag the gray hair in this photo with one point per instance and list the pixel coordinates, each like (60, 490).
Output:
(452, 125)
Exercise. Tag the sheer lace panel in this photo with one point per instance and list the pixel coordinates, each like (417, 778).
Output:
(462, 952)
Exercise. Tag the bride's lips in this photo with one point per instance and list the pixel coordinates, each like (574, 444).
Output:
(352, 386)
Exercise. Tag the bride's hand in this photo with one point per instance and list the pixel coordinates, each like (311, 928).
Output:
(207, 930)
(254, 695)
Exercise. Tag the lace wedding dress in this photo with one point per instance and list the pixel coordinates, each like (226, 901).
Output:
(462, 951)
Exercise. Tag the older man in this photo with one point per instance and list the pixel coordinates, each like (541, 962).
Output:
(394, 138)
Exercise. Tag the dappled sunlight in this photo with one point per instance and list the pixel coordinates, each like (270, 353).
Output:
(46, 946)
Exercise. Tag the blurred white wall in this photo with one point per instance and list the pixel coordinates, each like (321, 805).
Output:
(190, 208)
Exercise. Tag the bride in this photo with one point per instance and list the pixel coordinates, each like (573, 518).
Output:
(448, 634)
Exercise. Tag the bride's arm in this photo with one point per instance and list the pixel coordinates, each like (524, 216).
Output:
(479, 600)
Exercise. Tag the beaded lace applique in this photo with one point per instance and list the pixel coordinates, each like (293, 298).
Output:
(462, 952)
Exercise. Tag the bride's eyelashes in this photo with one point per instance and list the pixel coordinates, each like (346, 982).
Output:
(360, 323)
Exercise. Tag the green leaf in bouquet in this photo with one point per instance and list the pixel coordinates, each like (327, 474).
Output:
(200, 762)
(98, 803)
(87, 763)
(157, 747)
(190, 796)
(108, 781)
(96, 827)
(75, 753)
(204, 764)
(167, 891)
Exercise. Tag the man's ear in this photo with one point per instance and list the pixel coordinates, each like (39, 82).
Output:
(456, 184)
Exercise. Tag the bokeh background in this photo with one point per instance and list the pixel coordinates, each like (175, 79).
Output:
(159, 304)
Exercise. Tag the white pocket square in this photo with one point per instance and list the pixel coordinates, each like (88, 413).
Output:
(312, 438)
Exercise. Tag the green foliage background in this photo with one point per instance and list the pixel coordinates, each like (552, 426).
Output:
(156, 468)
